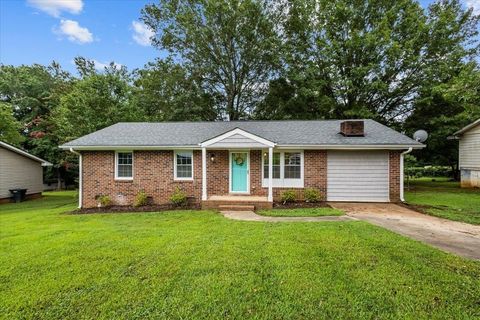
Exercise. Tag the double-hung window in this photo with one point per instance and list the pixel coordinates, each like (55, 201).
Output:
(275, 166)
(287, 168)
(293, 164)
(124, 165)
(183, 165)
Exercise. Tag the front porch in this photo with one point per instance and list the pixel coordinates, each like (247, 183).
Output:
(237, 202)
(232, 171)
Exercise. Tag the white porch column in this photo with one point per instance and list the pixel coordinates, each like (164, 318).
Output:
(270, 174)
(204, 173)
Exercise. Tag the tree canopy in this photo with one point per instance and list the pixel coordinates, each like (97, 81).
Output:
(395, 62)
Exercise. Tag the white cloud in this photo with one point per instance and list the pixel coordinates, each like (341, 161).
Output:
(475, 4)
(101, 66)
(55, 7)
(74, 32)
(141, 33)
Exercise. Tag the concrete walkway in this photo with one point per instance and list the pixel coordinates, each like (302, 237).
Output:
(459, 238)
(252, 216)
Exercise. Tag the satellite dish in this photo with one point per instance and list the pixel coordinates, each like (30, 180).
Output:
(420, 135)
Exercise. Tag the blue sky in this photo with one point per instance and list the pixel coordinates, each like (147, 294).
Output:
(39, 31)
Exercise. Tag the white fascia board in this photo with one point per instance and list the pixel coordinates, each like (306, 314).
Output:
(351, 147)
(26, 154)
(284, 147)
(129, 148)
(239, 131)
(466, 128)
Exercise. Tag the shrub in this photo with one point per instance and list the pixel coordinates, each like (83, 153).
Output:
(104, 201)
(289, 196)
(141, 199)
(179, 197)
(428, 171)
(312, 195)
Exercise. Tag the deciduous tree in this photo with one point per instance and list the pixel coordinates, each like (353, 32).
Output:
(231, 45)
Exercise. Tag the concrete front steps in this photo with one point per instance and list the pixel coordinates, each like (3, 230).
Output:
(235, 207)
(237, 203)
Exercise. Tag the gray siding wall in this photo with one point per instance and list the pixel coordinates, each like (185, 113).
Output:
(17, 171)
(470, 149)
(237, 141)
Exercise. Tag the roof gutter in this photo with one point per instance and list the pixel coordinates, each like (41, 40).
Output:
(402, 191)
(284, 146)
(80, 174)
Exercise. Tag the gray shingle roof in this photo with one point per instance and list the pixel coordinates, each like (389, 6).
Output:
(299, 133)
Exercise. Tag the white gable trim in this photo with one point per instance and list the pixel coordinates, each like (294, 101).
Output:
(237, 131)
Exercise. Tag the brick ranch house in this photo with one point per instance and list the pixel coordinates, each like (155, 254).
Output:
(249, 162)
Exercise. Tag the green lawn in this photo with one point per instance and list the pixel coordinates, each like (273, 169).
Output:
(445, 199)
(311, 212)
(200, 265)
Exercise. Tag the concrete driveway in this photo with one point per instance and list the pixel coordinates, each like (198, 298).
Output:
(459, 238)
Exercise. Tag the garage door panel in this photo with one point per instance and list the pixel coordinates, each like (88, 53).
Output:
(357, 176)
(355, 172)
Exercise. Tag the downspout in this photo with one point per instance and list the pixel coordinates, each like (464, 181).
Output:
(79, 177)
(402, 198)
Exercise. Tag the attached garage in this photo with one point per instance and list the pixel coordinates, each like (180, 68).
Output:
(358, 176)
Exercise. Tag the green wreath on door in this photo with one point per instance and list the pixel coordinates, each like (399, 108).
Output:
(239, 160)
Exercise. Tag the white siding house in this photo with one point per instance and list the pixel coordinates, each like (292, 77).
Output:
(469, 154)
(19, 169)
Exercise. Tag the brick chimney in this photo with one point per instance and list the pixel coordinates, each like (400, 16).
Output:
(352, 128)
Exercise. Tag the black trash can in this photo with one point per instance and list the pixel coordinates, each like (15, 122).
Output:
(18, 195)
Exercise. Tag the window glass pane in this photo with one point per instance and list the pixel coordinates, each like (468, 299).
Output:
(276, 165)
(124, 158)
(292, 158)
(276, 172)
(292, 168)
(184, 171)
(184, 158)
(124, 171)
(184, 164)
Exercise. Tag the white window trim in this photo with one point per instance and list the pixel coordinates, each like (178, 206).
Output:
(175, 152)
(116, 165)
(282, 182)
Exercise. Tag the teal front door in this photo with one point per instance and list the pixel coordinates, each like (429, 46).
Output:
(239, 172)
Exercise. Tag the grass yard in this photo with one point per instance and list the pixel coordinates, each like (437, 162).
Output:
(310, 212)
(445, 199)
(199, 265)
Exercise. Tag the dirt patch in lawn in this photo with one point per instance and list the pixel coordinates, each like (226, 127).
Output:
(416, 207)
(422, 208)
(300, 205)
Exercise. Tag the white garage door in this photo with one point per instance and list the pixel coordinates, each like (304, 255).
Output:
(357, 176)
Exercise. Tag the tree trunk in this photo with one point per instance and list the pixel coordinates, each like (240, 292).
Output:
(59, 179)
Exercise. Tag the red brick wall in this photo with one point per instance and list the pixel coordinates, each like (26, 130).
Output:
(217, 173)
(153, 172)
(394, 176)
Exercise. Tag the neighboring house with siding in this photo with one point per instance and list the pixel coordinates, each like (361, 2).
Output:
(20, 169)
(250, 162)
(469, 154)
